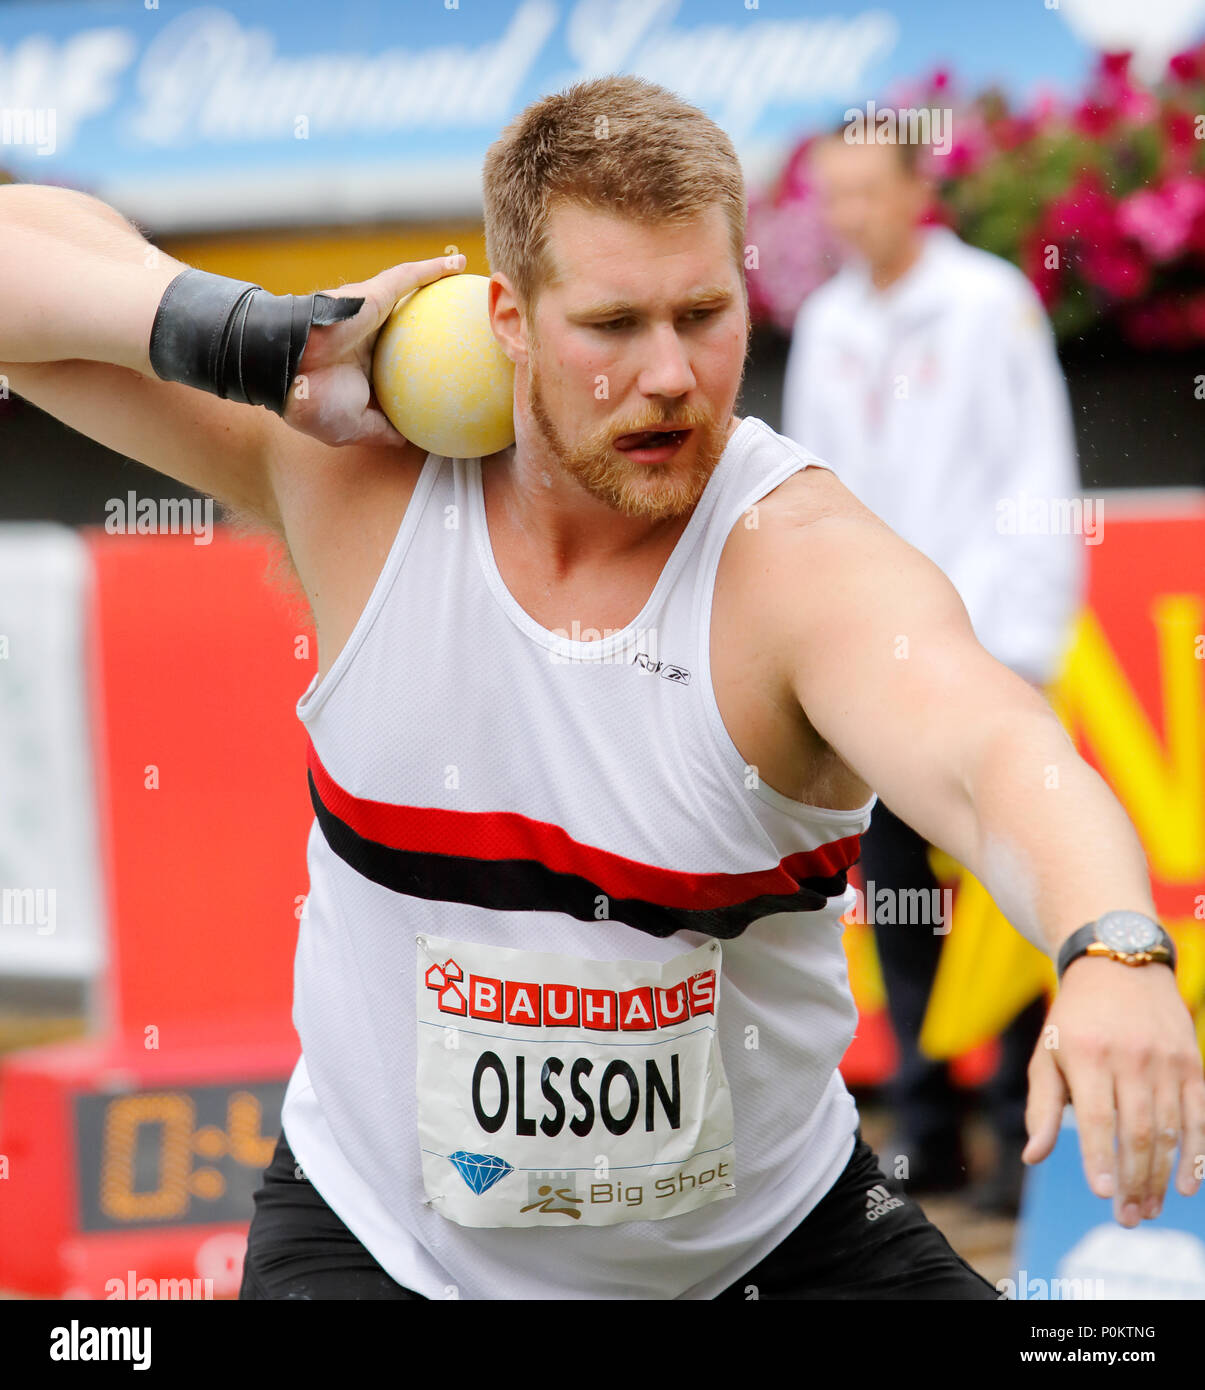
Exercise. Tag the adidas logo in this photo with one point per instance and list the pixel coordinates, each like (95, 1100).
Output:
(879, 1201)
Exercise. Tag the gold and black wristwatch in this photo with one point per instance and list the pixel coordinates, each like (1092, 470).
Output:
(1130, 937)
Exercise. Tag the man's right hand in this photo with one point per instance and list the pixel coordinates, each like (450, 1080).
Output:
(331, 397)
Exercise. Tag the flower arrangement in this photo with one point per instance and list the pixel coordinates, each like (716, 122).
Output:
(1101, 202)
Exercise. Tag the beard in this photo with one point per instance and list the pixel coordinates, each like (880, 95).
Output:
(651, 492)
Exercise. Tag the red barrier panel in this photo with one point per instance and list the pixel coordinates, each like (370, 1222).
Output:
(197, 679)
(134, 1156)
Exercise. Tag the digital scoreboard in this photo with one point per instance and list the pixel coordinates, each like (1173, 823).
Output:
(125, 1167)
(185, 1156)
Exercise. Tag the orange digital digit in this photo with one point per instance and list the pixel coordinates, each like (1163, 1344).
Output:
(124, 1118)
(244, 1125)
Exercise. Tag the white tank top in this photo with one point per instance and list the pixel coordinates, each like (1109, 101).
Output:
(481, 780)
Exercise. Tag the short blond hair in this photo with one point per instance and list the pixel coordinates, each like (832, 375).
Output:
(621, 144)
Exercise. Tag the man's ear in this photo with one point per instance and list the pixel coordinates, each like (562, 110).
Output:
(506, 318)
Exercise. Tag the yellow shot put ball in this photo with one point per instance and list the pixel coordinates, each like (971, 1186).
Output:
(439, 373)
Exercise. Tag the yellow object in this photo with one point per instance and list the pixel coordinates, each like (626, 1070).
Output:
(439, 373)
(862, 963)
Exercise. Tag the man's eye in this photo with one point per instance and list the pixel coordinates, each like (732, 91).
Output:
(695, 315)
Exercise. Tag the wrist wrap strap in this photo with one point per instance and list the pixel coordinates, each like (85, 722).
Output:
(234, 339)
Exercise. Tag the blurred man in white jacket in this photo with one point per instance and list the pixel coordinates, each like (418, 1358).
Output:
(925, 373)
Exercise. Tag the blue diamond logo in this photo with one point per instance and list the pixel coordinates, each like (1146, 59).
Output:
(480, 1171)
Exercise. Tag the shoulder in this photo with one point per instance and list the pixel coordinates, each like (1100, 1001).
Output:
(787, 539)
(825, 305)
(811, 558)
(821, 589)
(811, 495)
(981, 279)
(814, 490)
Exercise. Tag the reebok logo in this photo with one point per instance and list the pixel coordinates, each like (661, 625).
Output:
(662, 668)
(879, 1201)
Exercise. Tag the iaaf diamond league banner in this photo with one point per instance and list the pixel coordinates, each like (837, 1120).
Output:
(188, 116)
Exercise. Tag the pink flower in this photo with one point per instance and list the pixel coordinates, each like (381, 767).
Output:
(1116, 268)
(1011, 131)
(1141, 217)
(1092, 119)
(1196, 236)
(1138, 106)
(1183, 66)
(1161, 220)
(1181, 135)
(969, 148)
(1084, 223)
(961, 160)
(796, 180)
(1085, 211)
(1046, 105)
(1114, 65)
(795, 255)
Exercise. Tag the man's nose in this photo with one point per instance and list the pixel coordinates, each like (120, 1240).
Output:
(666, 370)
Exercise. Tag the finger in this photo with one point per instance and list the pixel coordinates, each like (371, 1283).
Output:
(1096, 1119)
(1168, 1123)
(1192, 1139)
(1135, 1141)
(375, 428)
(399, 280)
(1044, 1104)
(380, 294)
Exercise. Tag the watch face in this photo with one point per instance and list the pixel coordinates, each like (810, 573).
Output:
(1127, 931)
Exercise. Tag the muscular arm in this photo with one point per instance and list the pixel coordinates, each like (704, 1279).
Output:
(889, 672)
(77, 279)
(886, 666)
(80, 286)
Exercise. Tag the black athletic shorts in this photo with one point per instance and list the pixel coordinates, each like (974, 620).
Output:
(864, 1239)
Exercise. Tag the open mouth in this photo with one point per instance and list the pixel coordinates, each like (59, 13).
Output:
(645, 441)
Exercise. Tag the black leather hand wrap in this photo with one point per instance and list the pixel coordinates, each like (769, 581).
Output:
(234, 339)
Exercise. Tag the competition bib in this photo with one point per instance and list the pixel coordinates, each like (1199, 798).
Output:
(557, 1091)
